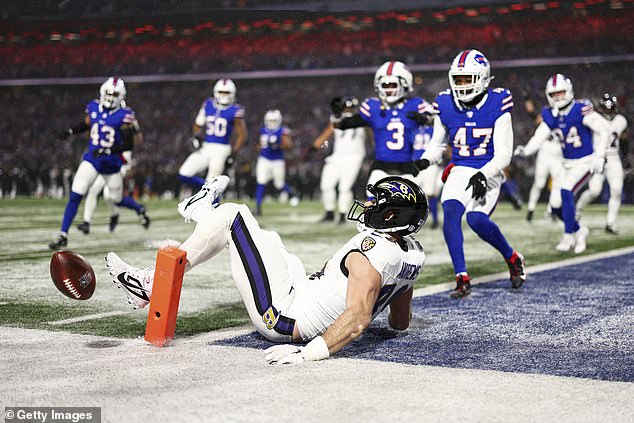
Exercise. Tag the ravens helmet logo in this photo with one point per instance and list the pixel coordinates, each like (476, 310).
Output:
(399, 189)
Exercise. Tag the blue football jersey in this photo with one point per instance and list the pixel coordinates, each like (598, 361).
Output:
(393, 131)
(574, 136)
(219, 122)
(470, 131)
(105, 132)
(421, 140)
(271, 142)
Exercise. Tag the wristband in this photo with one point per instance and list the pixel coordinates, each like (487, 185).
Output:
(317, 349)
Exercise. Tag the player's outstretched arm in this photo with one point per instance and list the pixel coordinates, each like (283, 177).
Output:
(323, 137)
(364, 284)
(82, 126)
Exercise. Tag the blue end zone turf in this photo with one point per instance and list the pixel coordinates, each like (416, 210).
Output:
(573, 321)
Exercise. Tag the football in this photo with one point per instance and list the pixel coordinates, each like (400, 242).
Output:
(72, 275)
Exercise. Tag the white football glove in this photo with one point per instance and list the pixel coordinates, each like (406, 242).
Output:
(597, 164)
(284, 354)
(317, 349)
(519, 151)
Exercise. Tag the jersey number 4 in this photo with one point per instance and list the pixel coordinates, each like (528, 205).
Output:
(483, 135)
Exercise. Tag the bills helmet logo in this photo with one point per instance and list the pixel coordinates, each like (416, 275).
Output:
(399, 189)
(481, 59)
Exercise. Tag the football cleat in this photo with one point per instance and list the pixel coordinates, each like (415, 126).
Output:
(516, 269)
(136, 283)
(567, 243)
(328, 217)
(143, 217)
(204, 198)
(84, 227)
(114, 221)
(611, 230)
(580, 239)
(463, 286)
(529, 216)
(60, 242)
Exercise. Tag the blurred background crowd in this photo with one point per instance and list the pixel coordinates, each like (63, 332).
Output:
(55, 56)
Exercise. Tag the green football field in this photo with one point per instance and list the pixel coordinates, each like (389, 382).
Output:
(209, 301)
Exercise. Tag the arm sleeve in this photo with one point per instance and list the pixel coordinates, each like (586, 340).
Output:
(502, 146)
(541, 134)
(601, 129)
(436, 147)
(351, 122)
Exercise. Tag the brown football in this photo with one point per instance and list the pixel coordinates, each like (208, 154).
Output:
(72, 275)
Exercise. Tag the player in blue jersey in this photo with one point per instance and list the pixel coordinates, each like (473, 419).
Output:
(112, 128)
(476, 120)
(274, 140)
(429, 179)
(220, 117)
(573, 123)
(394, 118)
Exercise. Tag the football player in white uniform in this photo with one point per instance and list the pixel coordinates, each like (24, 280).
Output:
(613, 173)
(342, 166)
(476, 120)
(220, 117)
(274, 140)
(90, 203)
(573, 123)
(328, 309)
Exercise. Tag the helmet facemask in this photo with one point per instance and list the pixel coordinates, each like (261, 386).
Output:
(469, 76)
(225, 93)
(393, 82)
(112, 93)
(559, 92)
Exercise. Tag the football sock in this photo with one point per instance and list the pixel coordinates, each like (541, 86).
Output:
(71, 210)
(433, 208)
(489, 232)
(260, 189)
(128, 202)
(195, 182)
(568, 211)
(452, 229)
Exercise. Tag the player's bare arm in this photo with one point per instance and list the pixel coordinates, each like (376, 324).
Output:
(325, 135)
(401, 311)
(364, 284)
(240, 130)
(287, 142)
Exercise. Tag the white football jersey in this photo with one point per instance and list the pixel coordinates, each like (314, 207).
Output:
(349, 142)
(618, 125)
(321, 297)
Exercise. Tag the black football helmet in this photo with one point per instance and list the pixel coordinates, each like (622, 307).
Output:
(608, 105)
(399, 206)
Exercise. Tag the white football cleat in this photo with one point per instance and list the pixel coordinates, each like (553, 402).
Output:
(580, 239)
(190, 208)
(567, 243)
(136, 283)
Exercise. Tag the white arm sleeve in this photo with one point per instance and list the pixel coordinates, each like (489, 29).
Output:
(436, 146)
(541, 134)
(200, 117)
(619, 124)
(502, 146)
(601, 129)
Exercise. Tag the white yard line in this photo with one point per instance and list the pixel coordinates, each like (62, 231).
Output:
(430, 290)
(87, 317)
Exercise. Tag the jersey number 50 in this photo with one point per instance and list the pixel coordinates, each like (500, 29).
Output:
(216, 126)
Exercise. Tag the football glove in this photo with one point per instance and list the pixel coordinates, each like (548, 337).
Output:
(520, 151)
(597, 164)
(424, 119)
(196, 142)
(62, 135)
(317, 349)
(479, 184)
(337, 106)
(418, 166)
(229, 162)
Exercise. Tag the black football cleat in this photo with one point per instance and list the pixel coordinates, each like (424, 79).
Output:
(529, 216)
(329, 217)
(611, 230)
(114, 221)
(60, 242)
(516, 269)
(144, 218)
(463, 286)
(84, 227)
